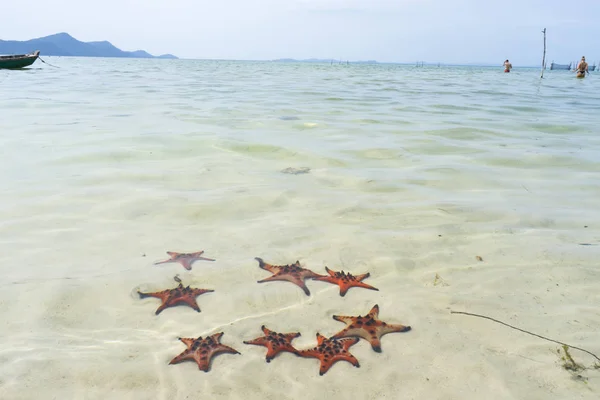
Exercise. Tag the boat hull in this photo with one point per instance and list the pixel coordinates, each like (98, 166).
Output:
(18, 61)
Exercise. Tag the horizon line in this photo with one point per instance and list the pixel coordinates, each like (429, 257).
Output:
(324, 61)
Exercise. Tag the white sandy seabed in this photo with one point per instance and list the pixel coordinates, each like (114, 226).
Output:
(77, 329)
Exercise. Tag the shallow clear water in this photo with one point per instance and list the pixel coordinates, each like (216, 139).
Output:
(107, 164)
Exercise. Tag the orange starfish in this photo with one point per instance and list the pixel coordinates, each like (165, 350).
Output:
(293, 273)
(203, 350)
(345, 280)
(275, 342)
(330, 351)
(185, 259)
(368, 327)
(178, 295)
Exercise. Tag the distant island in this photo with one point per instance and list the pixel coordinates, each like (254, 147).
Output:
(325, 60)
(63, 44)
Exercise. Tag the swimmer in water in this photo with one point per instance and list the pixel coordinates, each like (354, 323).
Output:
(582, 68)
(507, 66)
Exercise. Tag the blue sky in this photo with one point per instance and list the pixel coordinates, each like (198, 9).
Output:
(449, 31)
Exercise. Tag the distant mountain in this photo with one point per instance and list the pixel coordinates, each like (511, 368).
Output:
(63, 44)
(324, 60)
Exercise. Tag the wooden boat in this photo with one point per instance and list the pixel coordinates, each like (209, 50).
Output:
(19, 60)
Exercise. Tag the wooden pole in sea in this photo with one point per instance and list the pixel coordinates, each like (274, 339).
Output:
(544, 56)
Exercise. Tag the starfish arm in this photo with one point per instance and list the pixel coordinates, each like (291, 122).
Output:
(320, 338)
(198, 256)
(271, 353)
(327, 279)
(345, 286)
(348, 342)
(344, 318)
(352, 332)
(327, 363)
(164, 262)
(160, 308)
(224, 349)
(362, 276)
(389, 328)
(189, 342)
(186, 355)
(267, 266)
(190, 301)
(204, 357)
(198, 292)
(265, 330)
(374, 313)
(274, 278)
(260, 341)
(290, 336)
(290, 278)
(203, 361)
(302, 286)
(186, 263)
(375, 343)
(159, 295)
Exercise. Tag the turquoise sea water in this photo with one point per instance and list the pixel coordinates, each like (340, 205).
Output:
(109, 163)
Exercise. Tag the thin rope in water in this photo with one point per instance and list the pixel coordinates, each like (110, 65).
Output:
(40, 58)
(523, 330)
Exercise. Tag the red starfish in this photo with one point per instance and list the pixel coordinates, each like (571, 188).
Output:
(185, 259)
(203, 350)
(345, 280)
(180, 294)
(331, 350)
(368, 327)
(275, 342)
(293, 273)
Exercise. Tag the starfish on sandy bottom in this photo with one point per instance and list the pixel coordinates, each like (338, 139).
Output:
(368, 327)
(329, 351)
(345, 280)
(175, 296)
(185, 259)
(203, 350)
(293, 273)
(275, 342)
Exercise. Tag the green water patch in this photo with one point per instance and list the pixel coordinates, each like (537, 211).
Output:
(105, 157)
(555, 128)
(437, 148)
(546, 161)
(274, 152)
(376, 154)
(462, 133)
(367, 121)
(261, 150)
(525, 109)
(452, 107)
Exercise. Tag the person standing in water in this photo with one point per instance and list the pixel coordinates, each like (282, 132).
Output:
(582, 68)
(507, 66)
